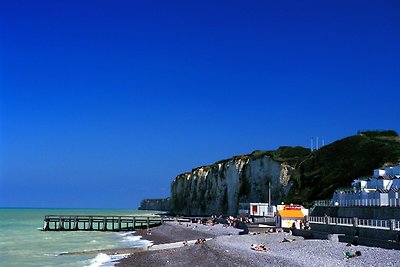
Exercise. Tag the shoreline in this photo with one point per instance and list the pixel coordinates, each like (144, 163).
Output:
(171, 232)
(168, 233)
(224, 246)
(227, 248)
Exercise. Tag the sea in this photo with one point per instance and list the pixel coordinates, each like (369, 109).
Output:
(23, 243)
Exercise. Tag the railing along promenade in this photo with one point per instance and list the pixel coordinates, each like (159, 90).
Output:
(391, 202)
(101, 222)
(391, 224)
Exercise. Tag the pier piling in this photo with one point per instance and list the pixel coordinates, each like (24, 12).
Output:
(100, 223)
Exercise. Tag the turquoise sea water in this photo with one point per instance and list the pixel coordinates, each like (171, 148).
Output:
(22, 243)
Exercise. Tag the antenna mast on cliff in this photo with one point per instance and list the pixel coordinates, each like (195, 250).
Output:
(269, 192)
(312, 139)
(316, 144)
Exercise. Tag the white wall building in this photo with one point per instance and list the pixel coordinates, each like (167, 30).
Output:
(391, 170)
(381, 189)
(262, 209)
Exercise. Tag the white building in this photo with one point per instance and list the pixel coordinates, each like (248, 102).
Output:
(381, 189)
(390, 171)
(262, 209)
(289, 215)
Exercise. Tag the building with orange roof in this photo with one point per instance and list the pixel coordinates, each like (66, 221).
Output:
(288, 214)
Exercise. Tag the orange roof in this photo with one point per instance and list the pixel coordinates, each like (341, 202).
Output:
(291, 214)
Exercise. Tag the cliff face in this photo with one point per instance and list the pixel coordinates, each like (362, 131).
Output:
(218, 188)
(160, 204)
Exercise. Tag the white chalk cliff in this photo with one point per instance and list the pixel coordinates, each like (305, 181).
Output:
(218, 188)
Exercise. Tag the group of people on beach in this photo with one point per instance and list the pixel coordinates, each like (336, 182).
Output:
(199, 241)
(300, 225)
(235, 222)
(226, 222)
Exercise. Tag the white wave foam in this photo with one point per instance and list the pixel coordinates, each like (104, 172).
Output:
(131, 238)
(104, 260)
(142, 243)
(100, 260)
(50, 254)
(134, 241)
(127, 233)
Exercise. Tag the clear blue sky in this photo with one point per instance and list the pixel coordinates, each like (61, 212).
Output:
(103, 103)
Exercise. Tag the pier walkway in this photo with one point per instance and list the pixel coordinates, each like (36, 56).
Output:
(101, 223)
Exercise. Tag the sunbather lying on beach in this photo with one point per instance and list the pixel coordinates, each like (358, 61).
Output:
(254, 233)
(288, 240)
(349, 255)
(259, 247)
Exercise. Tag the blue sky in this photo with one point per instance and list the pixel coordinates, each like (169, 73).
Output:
(104, 103)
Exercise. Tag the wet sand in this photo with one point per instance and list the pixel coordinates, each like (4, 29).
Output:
(174, 232)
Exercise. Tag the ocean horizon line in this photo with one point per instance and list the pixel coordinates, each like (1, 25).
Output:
(68, 208)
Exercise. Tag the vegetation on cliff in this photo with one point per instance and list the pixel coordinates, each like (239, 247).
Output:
(316, 174)
(291, 155)
(220, 187)
(339, 163)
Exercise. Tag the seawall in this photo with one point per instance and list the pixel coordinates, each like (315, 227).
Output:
(371, 237)
(380, 213)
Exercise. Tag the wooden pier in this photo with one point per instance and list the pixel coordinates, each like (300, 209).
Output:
(100, 223)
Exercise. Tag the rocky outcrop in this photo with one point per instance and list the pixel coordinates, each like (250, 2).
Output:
(161, 204)
(218, 188)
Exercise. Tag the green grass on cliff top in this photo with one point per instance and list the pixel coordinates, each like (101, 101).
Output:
(318, 174)
(339, 163)
(291, 155)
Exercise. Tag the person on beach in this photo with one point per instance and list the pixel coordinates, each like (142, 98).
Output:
(349, 255)
(287, 240)
(259, 247)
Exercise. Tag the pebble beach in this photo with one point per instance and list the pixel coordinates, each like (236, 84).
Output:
(225, 247)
